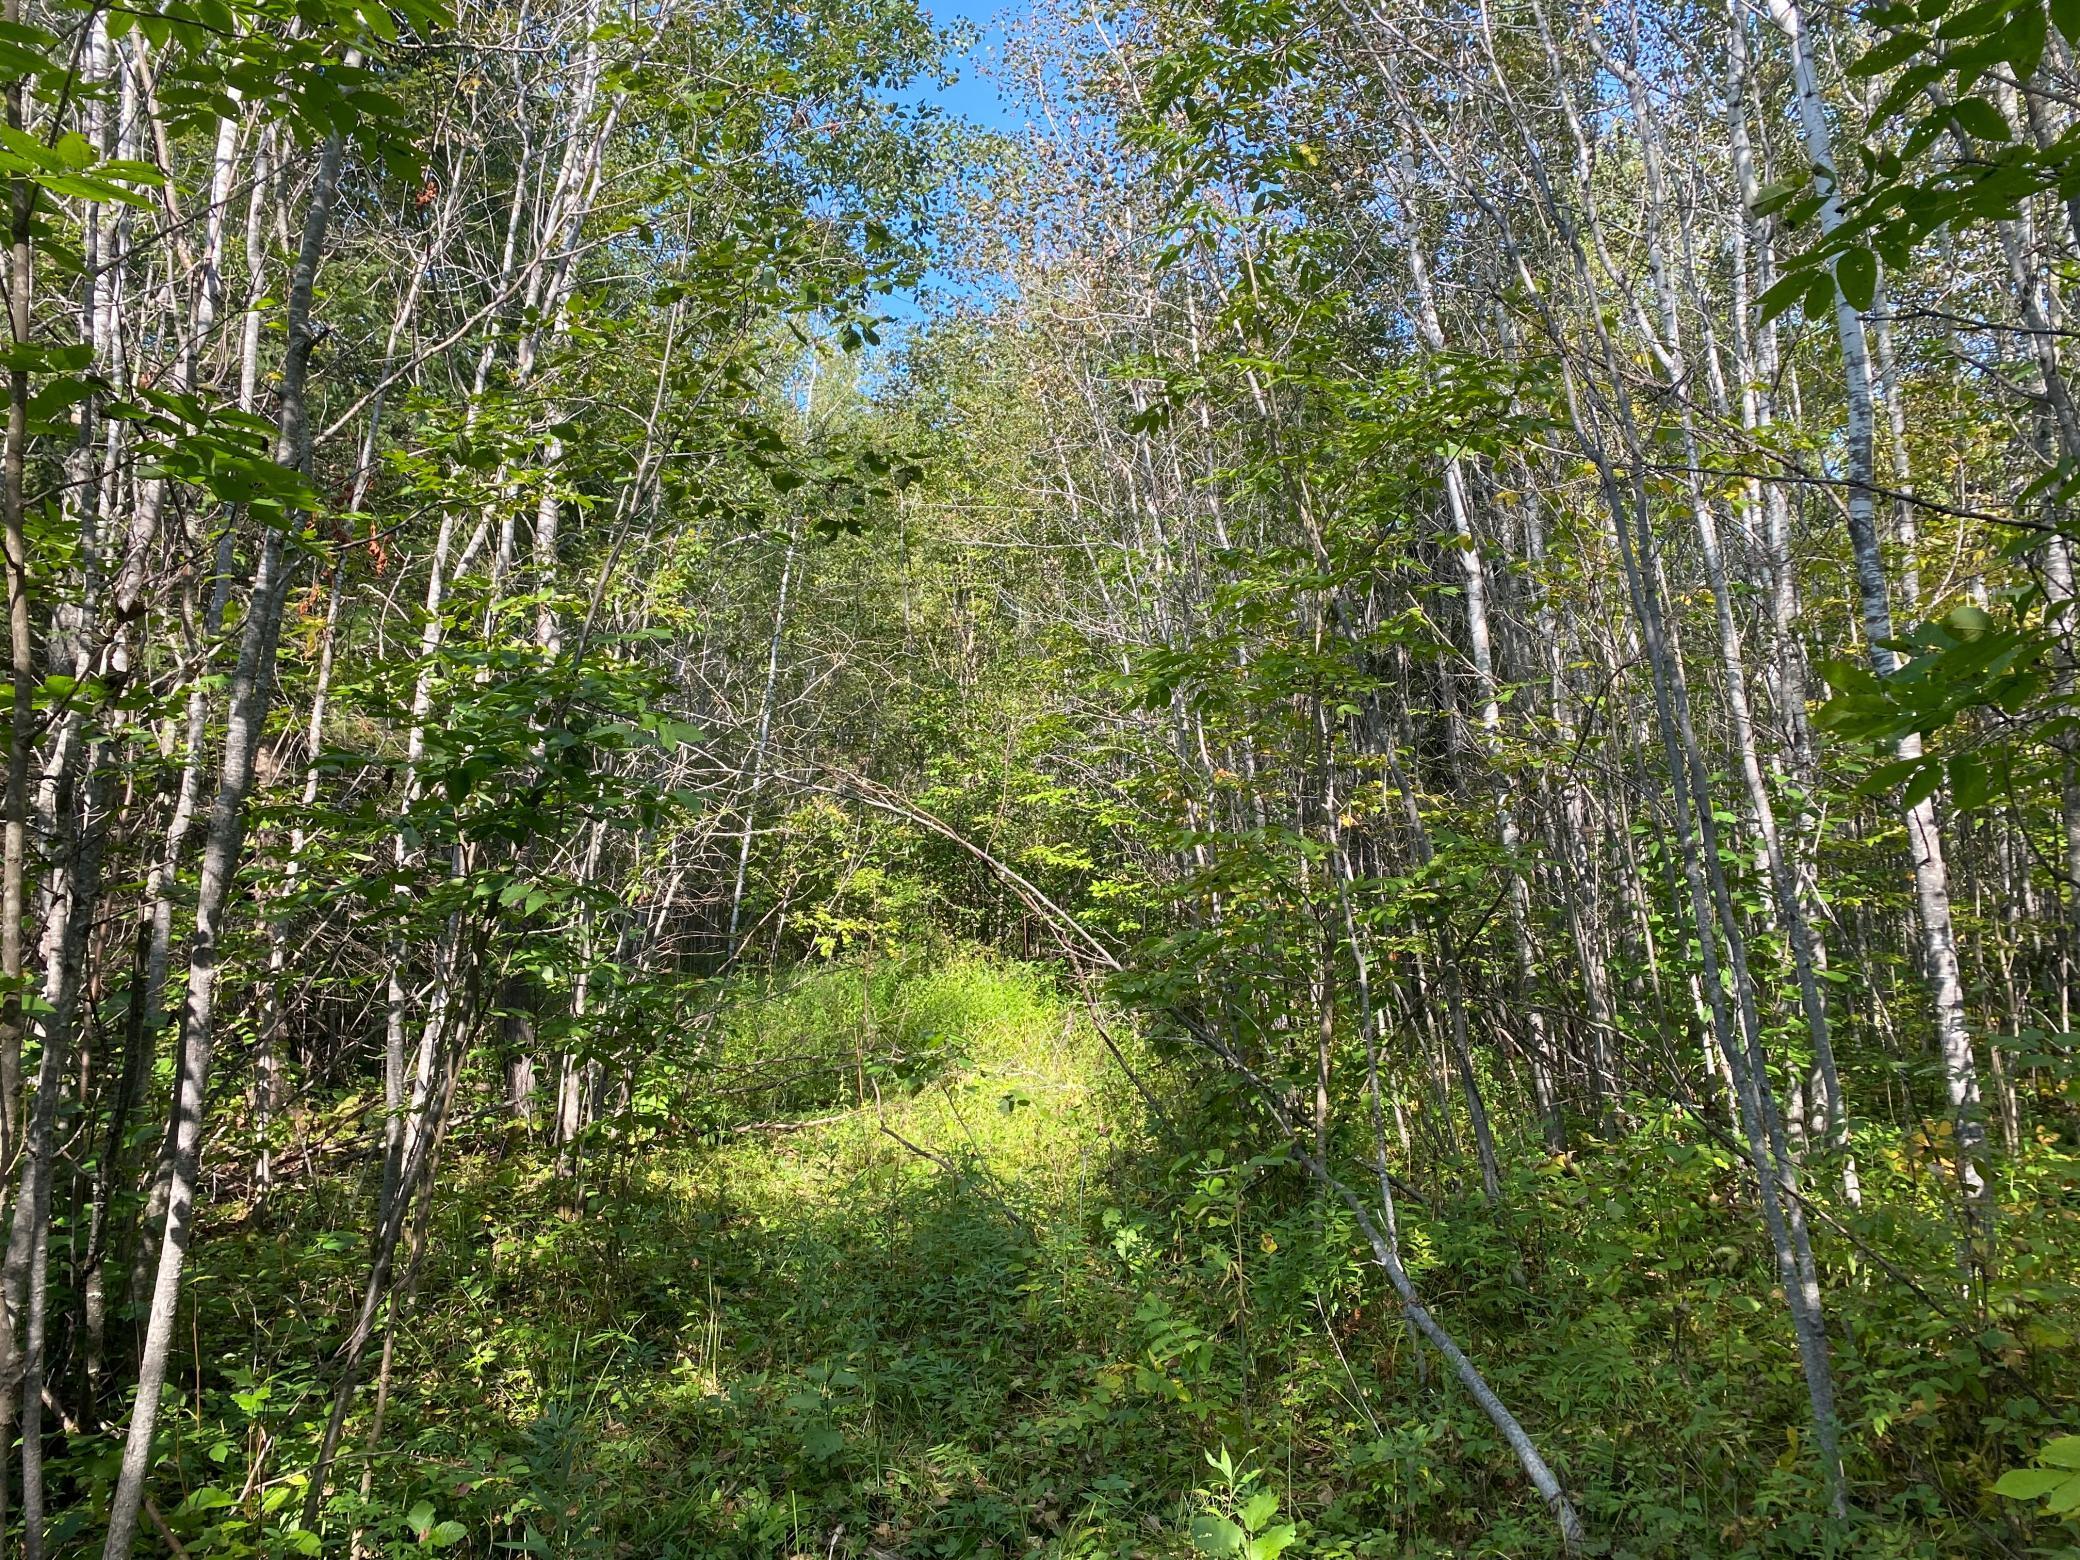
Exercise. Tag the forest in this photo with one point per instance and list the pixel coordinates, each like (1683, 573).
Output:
(1317, 795)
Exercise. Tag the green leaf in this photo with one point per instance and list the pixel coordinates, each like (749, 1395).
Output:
(1975, 21)
(2061, 1453)
(1856, 272)
(1259, 1509)
(2028, 1483)
(1905, 91)
(1820, 296)
(1213, 1534)
(2022, 44)
(1969, 623)
(1786, 292)
(1971, 781)
(1774, 197)
(2065, 16)
(1893, 51)
(74, 150)
(1923, 784)
(442, 1534)
(1977, 117)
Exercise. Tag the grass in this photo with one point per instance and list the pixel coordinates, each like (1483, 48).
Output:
(898, 1267)
(872, 1333)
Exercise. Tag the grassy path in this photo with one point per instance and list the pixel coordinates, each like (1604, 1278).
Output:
(835, 1327)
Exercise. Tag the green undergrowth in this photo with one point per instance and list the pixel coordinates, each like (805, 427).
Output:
(941, 1288)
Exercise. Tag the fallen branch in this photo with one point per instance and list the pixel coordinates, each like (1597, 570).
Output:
(1386, 1251)
(791, 1124)
(959, 1174)
(1148, 1097)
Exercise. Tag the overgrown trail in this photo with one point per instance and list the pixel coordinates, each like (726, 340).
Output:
(899, 1269)
(863, 1290)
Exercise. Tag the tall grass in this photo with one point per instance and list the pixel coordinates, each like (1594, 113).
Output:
(830, 1036)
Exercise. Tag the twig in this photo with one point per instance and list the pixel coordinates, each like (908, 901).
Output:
(1147, 1094)
(795, 1124)
(958, 1173)
(151, 1510)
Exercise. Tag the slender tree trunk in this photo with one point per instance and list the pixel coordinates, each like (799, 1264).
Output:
(251, 692)
(756, 767)
(1924, 837)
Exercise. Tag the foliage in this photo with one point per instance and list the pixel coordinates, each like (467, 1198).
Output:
(741, 823)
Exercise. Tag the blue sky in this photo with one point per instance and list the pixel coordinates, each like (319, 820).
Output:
(971, 96)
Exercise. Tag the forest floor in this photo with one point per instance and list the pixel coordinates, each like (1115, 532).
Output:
(856, 1314)
(907, 1270)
